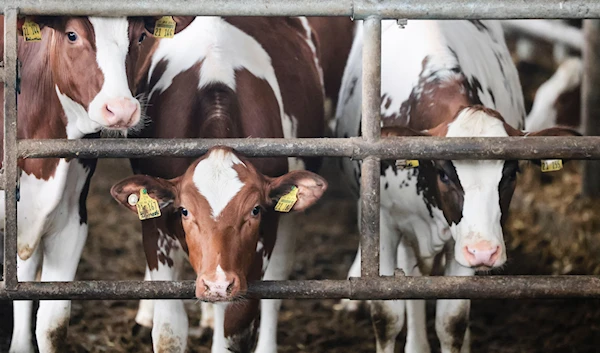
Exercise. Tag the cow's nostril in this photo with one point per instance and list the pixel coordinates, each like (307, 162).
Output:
(230, 287)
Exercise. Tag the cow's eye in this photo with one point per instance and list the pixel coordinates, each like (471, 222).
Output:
(72, 36)
(443, 176)
(184, 212)
(255, 211)
(142, 37)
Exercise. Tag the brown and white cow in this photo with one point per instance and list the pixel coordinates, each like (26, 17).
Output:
(445, 79)
(222, 211)
(225, 78)
(73, 84)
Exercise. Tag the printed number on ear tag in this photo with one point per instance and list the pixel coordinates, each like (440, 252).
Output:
(287, 201)
(147, 207)
(407, 163)
(551, 165)
(165, 27)
(32, 31)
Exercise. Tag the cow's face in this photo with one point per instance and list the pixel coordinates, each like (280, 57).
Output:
(221, 200)
(473, 195)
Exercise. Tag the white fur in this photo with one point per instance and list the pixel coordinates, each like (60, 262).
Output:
(313, 48)
(216, 179)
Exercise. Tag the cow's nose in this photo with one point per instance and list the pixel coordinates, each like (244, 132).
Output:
(121, 113)
(218, 289)
(482, 253)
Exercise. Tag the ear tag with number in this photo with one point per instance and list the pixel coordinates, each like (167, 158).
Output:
(551, 165)
(32, 31)
(408, 163)
(165, 27)
(147, 207)
(287, 201)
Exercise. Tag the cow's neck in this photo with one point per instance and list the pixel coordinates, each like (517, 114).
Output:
(40, 114)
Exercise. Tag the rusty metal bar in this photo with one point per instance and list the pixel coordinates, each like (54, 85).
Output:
(371, 132)
(358, 9)
(10, 149)
(590, 102)
(386, 148)
(478, 287)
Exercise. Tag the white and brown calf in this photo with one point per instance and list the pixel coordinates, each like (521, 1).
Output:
(225, 208)
(225, 78)
(439, 78)
(74, 83)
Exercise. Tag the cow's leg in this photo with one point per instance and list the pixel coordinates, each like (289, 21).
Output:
(22, 309)
(452, 315)
(235, 326)
(416, 324)
(146, 307)
(279, 268)
(61, 254)
(207, 322)
(347, 304)
(170, 322)
(387, 315)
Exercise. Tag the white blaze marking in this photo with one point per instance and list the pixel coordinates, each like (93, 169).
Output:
(216, 179)
(479, 179)
(313, 48)
(220, 275)
(112, 45)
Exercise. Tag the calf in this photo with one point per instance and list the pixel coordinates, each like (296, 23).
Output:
(439, 78)
(225, 78)
(73, 84)
(223, 208)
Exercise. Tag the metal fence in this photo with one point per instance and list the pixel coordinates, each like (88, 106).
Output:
(370, 148)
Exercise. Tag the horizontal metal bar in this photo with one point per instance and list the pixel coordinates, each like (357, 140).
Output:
(585, 147)
(550, 31)
(358, 9)
(400, 287)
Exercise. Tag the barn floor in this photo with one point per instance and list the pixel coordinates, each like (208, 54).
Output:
(551, 231)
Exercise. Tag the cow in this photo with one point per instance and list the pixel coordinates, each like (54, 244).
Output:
(226, 77)
(439, 78)
(73, 84)
(558, 100)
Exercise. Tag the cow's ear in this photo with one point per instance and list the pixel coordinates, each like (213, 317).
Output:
(128, 191)
(553, 131)
(181, 23)
(296, 190)
(41, 21)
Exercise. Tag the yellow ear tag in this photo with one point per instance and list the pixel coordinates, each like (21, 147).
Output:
(408, 163)
(32, 31)
(287, 201)
(551, 165)
(165, 27)
(147, 207)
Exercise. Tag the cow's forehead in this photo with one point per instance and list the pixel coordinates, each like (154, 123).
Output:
(111, 31)
(476, 174)
(472, 122)
(217, 180)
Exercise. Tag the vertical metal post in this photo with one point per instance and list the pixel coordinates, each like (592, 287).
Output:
(590, 102)
(371, 131)
(10, 148)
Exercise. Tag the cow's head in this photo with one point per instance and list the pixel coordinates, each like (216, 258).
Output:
(474, 195)
(221, 199)
(93, 76)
